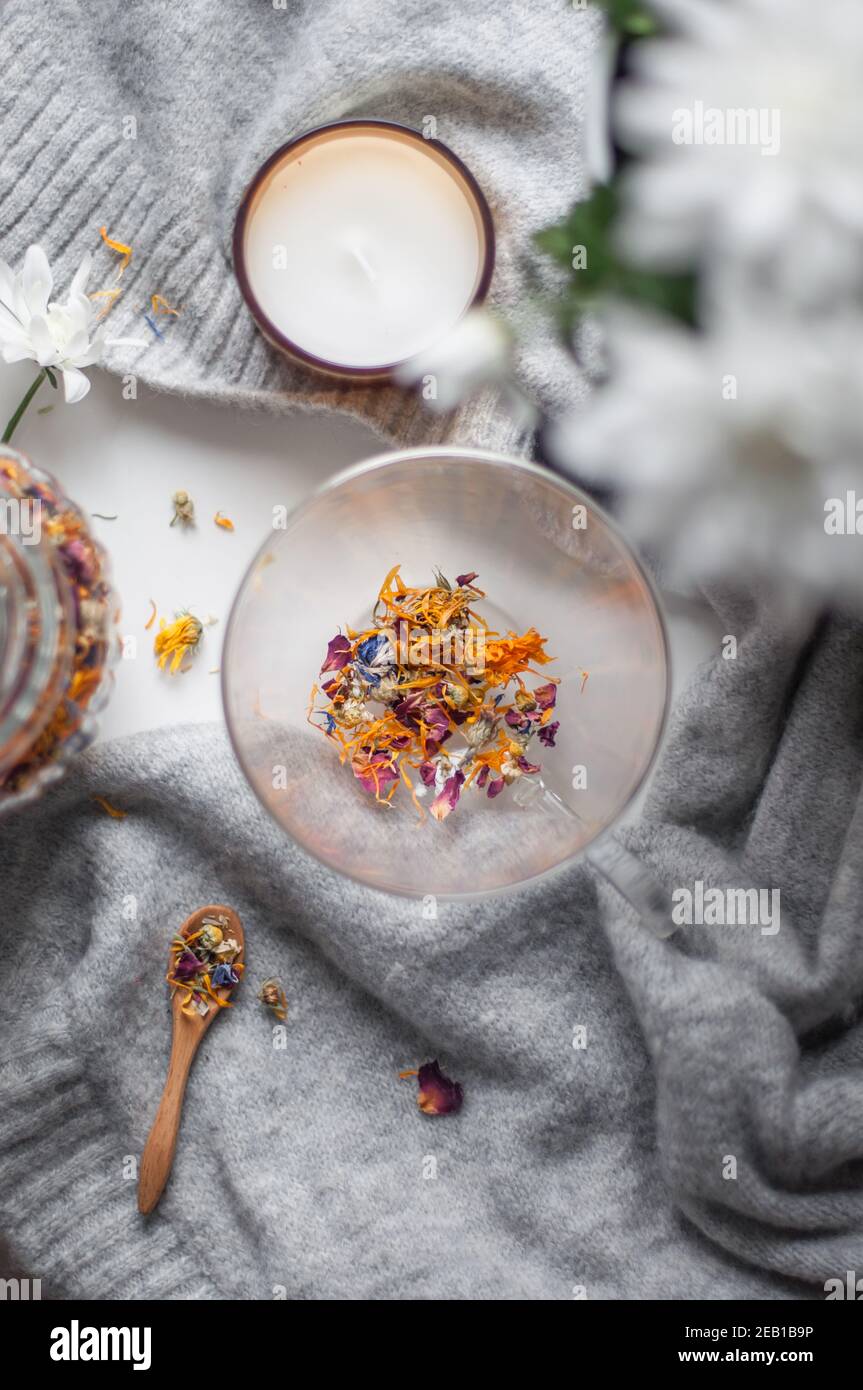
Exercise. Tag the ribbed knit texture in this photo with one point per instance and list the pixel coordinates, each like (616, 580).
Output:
(213, 89)
(310, 1170)
(60, 1160)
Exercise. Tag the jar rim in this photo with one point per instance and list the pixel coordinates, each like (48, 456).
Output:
(36, 619)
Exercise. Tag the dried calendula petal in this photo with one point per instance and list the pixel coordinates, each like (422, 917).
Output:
(110, 296)
(161, 306)
(436, 1093)
(175, 640)
(112, 811)
(273, 996)
(224, 521)
(119, 247)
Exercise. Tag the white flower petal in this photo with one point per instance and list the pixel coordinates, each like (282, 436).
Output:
(75, 385)
(15, 352)
(11, 329)
(598, 152)
(92, 353)
(75, 347)
(37, 280)
(11, 297)
(43, 342)
(475, 353)
(82, 275)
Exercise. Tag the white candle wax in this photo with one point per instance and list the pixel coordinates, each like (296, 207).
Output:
(363, 246)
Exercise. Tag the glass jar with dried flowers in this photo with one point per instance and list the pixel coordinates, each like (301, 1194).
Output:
(57, 615)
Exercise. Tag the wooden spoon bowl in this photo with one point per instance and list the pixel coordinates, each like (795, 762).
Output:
(188, 1030)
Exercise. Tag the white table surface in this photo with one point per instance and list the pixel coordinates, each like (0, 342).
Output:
(128, 457)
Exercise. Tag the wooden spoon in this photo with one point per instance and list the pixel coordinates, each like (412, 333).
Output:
(158, 1155)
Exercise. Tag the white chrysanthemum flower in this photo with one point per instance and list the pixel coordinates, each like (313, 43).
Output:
(731, 447)
(476, 352)
(59, 336)
(749, 121)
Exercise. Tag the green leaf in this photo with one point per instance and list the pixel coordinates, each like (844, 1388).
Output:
(630, 17)
(584, 245)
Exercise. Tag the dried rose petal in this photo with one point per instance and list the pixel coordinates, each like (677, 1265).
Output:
(187, 966)
(412, 702)
(428, 773)
(496, 787)
(546, 695)
(338, 653)
(415, 710)
(447, 799)
(436, 1094)
(516, 720)
(375, 780)
(407, 710)
(437, 725)
(525, 766)
(461, 579)
(483, 776)
(80, 561)
(547, 734)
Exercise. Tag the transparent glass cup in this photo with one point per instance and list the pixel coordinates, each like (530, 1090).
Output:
(547, 557)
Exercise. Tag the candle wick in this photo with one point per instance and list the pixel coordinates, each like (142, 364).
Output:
(363, 263)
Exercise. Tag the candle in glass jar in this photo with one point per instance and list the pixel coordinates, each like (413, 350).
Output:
(361, 244)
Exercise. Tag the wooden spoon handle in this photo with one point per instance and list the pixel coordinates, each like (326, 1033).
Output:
(158, 1156)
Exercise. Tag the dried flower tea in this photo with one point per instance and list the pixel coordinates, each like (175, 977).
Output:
(273, 996)
(161, 306)
(175, 640)
(120, 247)
(202, 962)
(184, 508)
(430, 697)
(436, 1093)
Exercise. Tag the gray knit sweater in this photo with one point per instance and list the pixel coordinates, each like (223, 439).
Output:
(151, 118)
(678, 1118)
(702, 1137)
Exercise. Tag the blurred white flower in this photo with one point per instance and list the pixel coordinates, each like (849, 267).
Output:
(476, 353)
(749, 118)
(729, 445)
(598, 151)
(58, 336)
